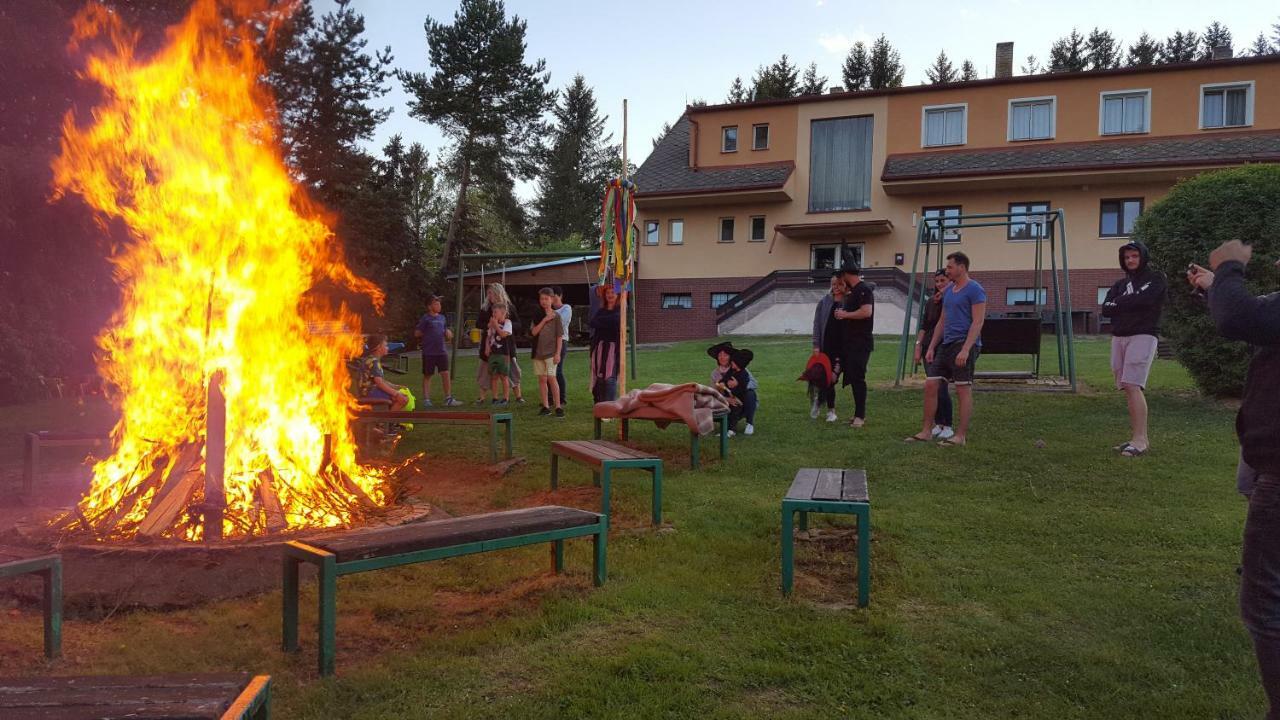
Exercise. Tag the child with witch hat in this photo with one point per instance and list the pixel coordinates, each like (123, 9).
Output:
(732, 374)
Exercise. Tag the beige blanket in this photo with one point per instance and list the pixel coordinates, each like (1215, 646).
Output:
(690, 403)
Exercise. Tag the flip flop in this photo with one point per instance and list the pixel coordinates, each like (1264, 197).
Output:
(950, 443)
(1121, 447)
(915, 439)
(1132, 451)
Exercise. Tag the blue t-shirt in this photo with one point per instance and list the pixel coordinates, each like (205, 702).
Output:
(432, 328)
(958, 307)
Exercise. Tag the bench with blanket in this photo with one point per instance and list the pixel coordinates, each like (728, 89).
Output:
(702, 409)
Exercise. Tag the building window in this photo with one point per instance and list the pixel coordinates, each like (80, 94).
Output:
(1031, 118)
(726, 229)
(840, 164)
(1102, 294)
(675, 232)
(944, 125)
(1025, 296)
(729, 139)
(651, 232)
(720, 298)
(1027, 220)
(677, 301)
(1124, 112)
(1226, 105)
(760, 137)
(1117, 216)
(946, 212)
(757, 228)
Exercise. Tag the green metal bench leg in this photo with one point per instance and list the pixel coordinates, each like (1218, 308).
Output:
(289, 610)
(555, 470)
(328, 614)
(626, 429)
(30, 461)
(723, 422)
(600, 545)
(511, 440)
(53, 610)
(657, 494)
(804, 521)
(695, 450)
(493, 441)
(557, 554)
(604, 478)
(864, 556)
(597, 433)
(788, 549)
(595, 478)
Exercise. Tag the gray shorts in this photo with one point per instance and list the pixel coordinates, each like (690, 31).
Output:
(1131, 359)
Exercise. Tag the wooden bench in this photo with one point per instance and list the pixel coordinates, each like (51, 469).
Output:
(655, 416)
(423, 542)
(830, 491)
(448, 417)
(44, 438)
(228, 696)
(19, 561)
(603, 457)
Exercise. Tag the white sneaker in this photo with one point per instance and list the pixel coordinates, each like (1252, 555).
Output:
(937, 430)
(751, 429)
(946, 434)
(732, 433)
(813, 410)
(451, 401)
(831, 416)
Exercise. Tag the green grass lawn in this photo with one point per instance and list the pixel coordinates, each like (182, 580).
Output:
(1009, 580)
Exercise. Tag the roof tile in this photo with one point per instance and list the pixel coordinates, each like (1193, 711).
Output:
(666, 171)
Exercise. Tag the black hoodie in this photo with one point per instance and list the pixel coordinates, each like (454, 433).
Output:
(1135, 301)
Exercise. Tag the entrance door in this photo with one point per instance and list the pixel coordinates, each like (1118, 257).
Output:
(825, 257)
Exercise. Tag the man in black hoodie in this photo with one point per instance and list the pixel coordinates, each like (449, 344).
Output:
(1134, 305)
(1255, 320)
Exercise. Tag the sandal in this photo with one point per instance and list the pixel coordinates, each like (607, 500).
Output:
(948, 443)
(1131, 451)
(915, 439)
(1122, 446)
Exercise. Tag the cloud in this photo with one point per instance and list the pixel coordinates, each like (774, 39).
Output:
(839, 43)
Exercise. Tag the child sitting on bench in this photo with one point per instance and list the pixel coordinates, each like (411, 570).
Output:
(373, 382)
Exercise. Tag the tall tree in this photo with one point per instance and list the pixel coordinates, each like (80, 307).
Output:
(738, 93)
(1102, 50)
(776, 81)
(942, 71)
(1261, 46)
(1144, 51)
(857, 68)
(1275, 35)
(886, 69)
(1069, 53)
(575, 166)
(483, 96)
(812, 84)
(411, 174)
(1032, 66)
(1180, 47)
(662, 133)
(1216, 35)
(967, 71)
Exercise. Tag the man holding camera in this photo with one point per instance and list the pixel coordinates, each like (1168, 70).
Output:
(1255, 320)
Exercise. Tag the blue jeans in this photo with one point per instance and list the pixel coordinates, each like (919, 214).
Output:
(746, 410)
(1260, 583)
(943, 415)
(564, 355)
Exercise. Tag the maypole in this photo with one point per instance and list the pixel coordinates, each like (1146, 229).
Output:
(618, 247)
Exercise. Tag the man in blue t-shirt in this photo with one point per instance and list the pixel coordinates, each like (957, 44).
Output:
(434, 332)
(953, 352)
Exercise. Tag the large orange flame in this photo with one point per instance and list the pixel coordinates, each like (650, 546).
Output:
(223, 252)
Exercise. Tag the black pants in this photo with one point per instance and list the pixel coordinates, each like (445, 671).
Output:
(746, 410)
(564, 355)
(1260, 584)
(943, 415)
(828, 395)
(855, 375)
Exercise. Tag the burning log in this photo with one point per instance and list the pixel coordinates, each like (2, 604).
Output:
(105, 523)
(271, 502)
(176, 493)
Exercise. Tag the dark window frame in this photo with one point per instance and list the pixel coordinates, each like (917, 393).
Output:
(679, 298)
(948, 236)
(657, 232)
(1043, 296)
(720, 229)
(1120, 220)
(724, 138)
(728, 296)
(751, 229)
(868, 181)
(768, 136)
(1029, 206)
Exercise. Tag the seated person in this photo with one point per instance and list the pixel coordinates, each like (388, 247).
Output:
(740, 384)
(373, 383)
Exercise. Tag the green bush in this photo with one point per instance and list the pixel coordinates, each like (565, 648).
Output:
(1194, 218)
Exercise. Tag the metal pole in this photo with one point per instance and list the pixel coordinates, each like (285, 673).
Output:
(1057, 310)
(906, 317)
(1066, 281)
(457, 320)
(622, 298)
(215, 452)
(1039, 264)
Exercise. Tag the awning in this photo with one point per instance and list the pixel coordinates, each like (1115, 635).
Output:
(803, 231)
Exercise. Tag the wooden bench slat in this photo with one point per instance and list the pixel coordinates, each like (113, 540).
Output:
(9, 553)
(855, 486)
(595, 452)
(425, 415)
(802, 486)
(454, 531)
(619, 452)
(828, 485)
(189, 697)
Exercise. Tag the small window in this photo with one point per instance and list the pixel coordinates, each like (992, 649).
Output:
(1027, 220)
(726, 230)
(1031, 118)
(1117, 216)
(950, 215)
(1125, 112)
(677, 301)
(1025, 296)
(720, 298)
(944, 125)
(675, 233)
(757, 228)
(1102, 294)
(760, 137)
(729, 139)
(1225, 106)
(651, 232)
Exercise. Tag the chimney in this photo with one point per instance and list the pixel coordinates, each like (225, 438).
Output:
(1222, 52)
(835, 89)
(1004, 60)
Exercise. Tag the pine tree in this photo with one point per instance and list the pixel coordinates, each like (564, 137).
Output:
(1144, 51)
(575, 166)
(484, 97)
(857, 68)
(1180, 47)
(777, 81)
(1068, 54)
(662, 133)
(1102, 50)
(738, 92)
(967, 71)
(1261, 46)
(1216, 35)
(886, 69)
(942, 71)
(1032, 66)
(812, 83)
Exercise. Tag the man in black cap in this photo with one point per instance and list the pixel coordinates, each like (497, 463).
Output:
(858, 314)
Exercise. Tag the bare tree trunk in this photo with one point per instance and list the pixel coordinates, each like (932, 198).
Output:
(459, 207)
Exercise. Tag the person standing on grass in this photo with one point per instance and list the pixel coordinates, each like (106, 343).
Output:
(942, 429)
(828, 339)
(606, 347)
(546, 352)
(953, 352)
(1239, 315)
(858, 313)
(433, 332)
(566, 317)
(500, 348)
(1134, 304)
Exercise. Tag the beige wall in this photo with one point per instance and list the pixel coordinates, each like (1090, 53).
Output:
(782, 135)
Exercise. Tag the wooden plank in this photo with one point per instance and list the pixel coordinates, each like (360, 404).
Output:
(190, 697)
(828, 485)
(802, 486)
(425, 415)
(271, 502)
(855, 486)
(622, 452)
(175, 494)
(574, 450)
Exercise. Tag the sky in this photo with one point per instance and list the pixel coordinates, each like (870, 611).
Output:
(662, 54)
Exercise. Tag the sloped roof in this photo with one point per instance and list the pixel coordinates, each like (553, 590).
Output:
(666, 171)
(1191, 150)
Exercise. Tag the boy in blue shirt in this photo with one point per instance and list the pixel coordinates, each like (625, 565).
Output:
(434, 332)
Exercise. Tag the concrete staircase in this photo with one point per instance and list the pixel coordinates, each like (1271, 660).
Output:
(789, 311)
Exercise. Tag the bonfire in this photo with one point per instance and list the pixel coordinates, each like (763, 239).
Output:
(228, 353)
